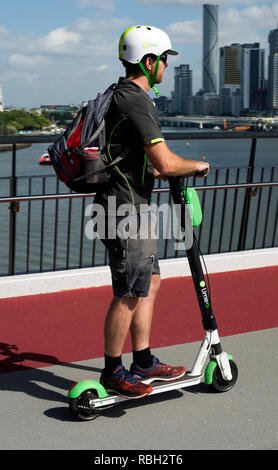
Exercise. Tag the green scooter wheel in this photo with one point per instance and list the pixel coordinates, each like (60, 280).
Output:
(82, 396)
(82, 407)
(219, 383)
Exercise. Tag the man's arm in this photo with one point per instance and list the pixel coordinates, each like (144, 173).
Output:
(168, 163)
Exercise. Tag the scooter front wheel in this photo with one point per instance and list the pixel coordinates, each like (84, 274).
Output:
(220, 384)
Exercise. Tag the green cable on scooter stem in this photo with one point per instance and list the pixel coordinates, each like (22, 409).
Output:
(152, 80)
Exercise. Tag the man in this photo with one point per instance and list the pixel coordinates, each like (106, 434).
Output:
(132, 123)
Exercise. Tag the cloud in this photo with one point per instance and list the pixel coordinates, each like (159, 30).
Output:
(20, 78)
(83, 38)
(246, 25)
(68, 64)
(73, 62)
(60, 38)
(101, 26)
(102, 67)
(188, 32)
(3, 31)
(25, 61)
(103, 4)
(7, 40)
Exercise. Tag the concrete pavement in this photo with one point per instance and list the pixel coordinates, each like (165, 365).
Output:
(35, 414)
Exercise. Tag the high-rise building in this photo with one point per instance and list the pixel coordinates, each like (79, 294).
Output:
(196, 104)
(1, 100)
(229, 79)
(162, 105)
(273, 41)
(229, 65)
(183, 89)
(252, 80)
(273, 70)
(210, 48)
(241, 70)
(230, 100)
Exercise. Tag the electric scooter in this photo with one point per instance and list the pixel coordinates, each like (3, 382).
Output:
(88, 398)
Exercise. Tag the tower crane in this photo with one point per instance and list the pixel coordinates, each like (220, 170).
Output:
(274, 15)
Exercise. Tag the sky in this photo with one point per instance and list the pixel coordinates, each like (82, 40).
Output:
(66, 51)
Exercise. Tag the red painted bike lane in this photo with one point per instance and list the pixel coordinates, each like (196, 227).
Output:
(67, 326)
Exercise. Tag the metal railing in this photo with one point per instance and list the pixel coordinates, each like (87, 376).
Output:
(47, 231)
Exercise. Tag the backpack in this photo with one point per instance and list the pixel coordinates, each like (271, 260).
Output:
(79, 155)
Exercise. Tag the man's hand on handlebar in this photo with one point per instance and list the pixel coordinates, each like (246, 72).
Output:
(159, 176)
(203, 170)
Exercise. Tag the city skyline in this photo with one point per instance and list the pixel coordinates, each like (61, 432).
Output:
(66, 55)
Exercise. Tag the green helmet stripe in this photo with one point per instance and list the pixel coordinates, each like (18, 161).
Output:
(121, 42)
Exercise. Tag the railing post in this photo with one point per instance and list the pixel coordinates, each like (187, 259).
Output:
(13, 209)
(248, 194)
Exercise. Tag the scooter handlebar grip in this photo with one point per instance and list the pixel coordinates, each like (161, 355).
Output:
(202, 173)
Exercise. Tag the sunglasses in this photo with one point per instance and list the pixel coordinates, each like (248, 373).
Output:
(164, 57)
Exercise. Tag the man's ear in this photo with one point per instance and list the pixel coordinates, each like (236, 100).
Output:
(148, 63)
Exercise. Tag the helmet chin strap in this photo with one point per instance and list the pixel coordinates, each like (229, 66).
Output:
(153, 79)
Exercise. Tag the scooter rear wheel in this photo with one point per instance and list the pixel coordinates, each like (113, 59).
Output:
(82, 407)
(219, 383)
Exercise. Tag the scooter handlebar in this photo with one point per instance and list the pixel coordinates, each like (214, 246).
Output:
(202, 173)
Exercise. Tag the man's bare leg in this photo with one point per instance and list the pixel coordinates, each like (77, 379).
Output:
(130, 313)
(117, 324)
(142, 318)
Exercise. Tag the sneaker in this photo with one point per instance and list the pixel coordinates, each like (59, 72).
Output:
(122, 383)
(157, 371)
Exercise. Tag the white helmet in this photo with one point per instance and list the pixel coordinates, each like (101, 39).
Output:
(139, 40)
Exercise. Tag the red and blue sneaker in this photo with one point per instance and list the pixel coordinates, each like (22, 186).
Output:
(158, 371)
(122, 383)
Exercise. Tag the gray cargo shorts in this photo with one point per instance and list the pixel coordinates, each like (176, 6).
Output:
(132, 253)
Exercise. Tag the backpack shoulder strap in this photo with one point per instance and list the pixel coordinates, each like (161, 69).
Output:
(94, 136)
(102, 124)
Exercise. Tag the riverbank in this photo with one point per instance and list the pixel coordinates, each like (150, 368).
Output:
(9, 147)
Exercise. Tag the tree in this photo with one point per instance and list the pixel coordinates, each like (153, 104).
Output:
(21, 120)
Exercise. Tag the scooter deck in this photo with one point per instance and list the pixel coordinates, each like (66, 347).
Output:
(158, 387)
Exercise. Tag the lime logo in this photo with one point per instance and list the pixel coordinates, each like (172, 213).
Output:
(146, 44)
(204, 293)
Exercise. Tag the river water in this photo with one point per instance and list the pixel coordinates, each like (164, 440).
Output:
(56, 228)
